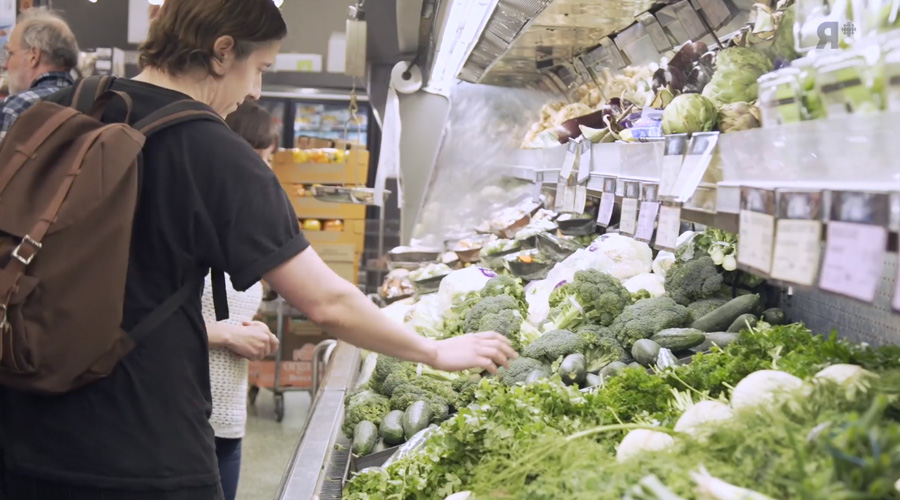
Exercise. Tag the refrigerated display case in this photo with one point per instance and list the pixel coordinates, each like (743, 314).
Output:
(320, 115)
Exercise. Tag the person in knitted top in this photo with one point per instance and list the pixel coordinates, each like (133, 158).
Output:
(239, 338)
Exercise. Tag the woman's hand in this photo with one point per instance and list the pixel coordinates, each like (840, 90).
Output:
(252, 339)
(486, 350)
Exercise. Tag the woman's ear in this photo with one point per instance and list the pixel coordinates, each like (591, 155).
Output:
(223, 54)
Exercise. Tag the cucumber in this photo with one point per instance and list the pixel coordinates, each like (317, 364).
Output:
(535, 375)
(677, 339)
(379, 446)
(573, 369)
(611, 370)
(774, 316)
(364, 436)
(392, 428)
(645, 351)
(634, 365)
(720, 319)
(721, 339)
(415, 418)
(742, 322)
(591, 380)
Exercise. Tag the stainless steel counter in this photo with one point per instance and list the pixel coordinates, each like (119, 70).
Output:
(319, 465)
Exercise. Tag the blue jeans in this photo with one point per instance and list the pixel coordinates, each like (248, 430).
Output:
(228, 451)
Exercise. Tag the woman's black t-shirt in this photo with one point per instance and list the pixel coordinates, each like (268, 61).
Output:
(207, 200)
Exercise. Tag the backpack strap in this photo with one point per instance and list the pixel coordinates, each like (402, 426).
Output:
(88, 90)
(155, 318)
(220, 294)
(174, 114)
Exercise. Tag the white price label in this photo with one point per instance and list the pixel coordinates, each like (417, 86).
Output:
(569, 200)
(628, 223)
(580, 198)
(536, 190)
(607, 204)
(560, 198)
(670, 167)
(668, 228)
(798, 244)
(854, 256)
(646, 221)
(755, 240)
(897, 291)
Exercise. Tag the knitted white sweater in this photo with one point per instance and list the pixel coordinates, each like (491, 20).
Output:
(227, 371)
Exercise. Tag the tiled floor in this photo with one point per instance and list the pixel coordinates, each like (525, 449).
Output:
(268, 445)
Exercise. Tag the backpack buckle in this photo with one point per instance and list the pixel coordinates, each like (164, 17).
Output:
(27, 242)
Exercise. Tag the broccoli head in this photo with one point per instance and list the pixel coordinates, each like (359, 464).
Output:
(496, 314)
(647, 317)
(519, 369)
(504, 285)
(466, 391)
(555, 344)
(640, 295)
(602, 346)
(593, 297)
(366, 405)
(384, 366)
(403, 374)
(407, 394)
(693, 280)
(703, 307)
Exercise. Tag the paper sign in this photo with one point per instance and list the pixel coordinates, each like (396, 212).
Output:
(694, 165)
(757, 231)
(647, 221)
(671, 164)
(854, 256)
(537, 187)
(607, 204)
(668, 228)
(628, 223)
(897, 291)
(798, 244)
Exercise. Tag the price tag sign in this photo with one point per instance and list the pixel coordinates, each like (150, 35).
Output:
(694, 164)
(628, 221)
(607, 202)
(798, 237)
(646, 223)
(757, 230)
(538, 186)
(856, 246)
(669, 227)
(676, 146)
(565, 173)
(584, 175)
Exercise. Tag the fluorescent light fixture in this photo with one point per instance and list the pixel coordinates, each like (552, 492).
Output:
(278, 3)
(466, 21)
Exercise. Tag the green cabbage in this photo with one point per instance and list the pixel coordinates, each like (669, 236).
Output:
(737, 70)
(689, 113)
(738, 116)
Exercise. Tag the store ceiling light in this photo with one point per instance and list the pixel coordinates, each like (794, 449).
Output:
(465, 23)
(278, 3)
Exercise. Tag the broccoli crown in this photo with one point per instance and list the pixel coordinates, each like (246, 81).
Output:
(365, 405)
(554, 344)
(592, 297)
(690, 281)
(603, 352)
(407, 394)
(508, 286)
(403, 374)
(647, 317)
(466, 391)
(496, 314)
(640, 295)
(519, 369)
(703, 307)
(384, 366)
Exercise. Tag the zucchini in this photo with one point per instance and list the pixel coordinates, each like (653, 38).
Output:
(721, 339)
(645, 351)
(535, 375)
(774, 316)
(591, 380)
(742, 322)
(677, 339)
(722, 318)
(415, 418)
(392, 428)
(611, 370)
(364, 436)
(573, 369)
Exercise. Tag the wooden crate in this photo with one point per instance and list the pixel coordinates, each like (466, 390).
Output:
(354, 233)
(353, 172)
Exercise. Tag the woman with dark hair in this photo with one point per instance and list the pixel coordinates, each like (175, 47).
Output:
(207, 201)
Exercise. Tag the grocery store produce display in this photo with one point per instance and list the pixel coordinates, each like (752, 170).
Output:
(690, 386)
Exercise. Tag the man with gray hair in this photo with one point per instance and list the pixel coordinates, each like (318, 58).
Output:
(38, 58)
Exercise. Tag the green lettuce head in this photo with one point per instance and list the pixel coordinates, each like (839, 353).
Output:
(689, 113)
(737, 70)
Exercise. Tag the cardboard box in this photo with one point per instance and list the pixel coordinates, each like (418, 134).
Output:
(353, 172)
(294, 374)
(342, 259)
(307, 207)
(354, 233)
(297, 349)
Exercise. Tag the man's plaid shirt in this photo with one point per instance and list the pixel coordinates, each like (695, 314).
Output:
(44, 85)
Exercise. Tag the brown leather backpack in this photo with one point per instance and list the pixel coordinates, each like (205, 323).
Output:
(69, 187)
